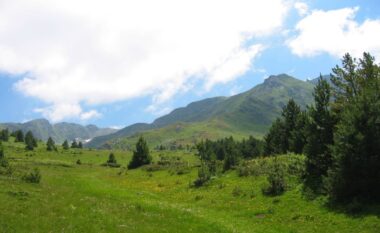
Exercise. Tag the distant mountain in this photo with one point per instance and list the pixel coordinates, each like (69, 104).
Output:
(42, 129)
(248, 113)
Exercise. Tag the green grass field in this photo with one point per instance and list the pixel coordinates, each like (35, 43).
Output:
(94, 198)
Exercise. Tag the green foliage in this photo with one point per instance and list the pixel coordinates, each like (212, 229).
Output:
(30, 141)
(65, 145)
(1, 151)
(50, 145)
(19, 136)
(111, 159)
(74, 144)
(204, 175)
(356, 151)
(4, 135)
(287, 132)
(251, 148)
(141, 156)
(319, 137)
(80, 145)
(33, 177)
(276, 179)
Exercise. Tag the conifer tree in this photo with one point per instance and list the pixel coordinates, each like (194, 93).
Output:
(30, 141)
(74, 144)
(4, 135)
(19, 136)
(50, 145)
(141, 155)
(319, 134)
(80, 145)
(65, 145)
(355, 172)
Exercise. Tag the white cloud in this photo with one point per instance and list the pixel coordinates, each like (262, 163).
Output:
(116, 127)
(336, 32)
(302, 8)
(89, 115)
(97, 52)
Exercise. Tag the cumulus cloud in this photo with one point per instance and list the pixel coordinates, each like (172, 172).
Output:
(302, 8)
(335, 32)
(98, 52)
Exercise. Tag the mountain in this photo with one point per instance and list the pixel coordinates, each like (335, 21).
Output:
(42, 129)
(248, 113)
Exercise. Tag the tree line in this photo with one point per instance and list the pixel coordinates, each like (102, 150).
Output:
(31, 142)
(339, 133)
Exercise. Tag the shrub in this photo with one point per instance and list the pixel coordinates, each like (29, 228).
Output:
(33, 177)
(237, 191)
(276, 179)
(203, 177)
(79, 162)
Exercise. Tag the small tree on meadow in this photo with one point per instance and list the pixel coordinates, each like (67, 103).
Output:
(50, 145)
(111, 159)
(19, 136)
(65, 145)
(4, 135)
(74, 144)
(30, 141)
(141, 155)
(80, 145)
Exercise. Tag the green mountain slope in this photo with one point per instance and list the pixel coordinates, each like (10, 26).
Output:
(42, 129)
(248, 113)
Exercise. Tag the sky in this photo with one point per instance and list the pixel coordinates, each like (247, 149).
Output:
(117, 62)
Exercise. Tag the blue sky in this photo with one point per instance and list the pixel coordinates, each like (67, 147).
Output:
(124, 62)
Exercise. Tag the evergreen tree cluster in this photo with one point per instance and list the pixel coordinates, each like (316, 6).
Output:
(75, 144)
(4, 135)
(339, 133)
(226, 152)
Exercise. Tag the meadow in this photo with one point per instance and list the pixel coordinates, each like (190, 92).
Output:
(89, 197)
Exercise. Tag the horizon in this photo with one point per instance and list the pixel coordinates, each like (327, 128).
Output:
(121, 127)
(112, 67)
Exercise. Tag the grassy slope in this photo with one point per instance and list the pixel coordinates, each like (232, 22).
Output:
(92, 198)
(248, 113)
(184, 134)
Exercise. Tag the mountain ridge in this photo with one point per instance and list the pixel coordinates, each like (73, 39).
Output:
(43, 129)
(246, 113)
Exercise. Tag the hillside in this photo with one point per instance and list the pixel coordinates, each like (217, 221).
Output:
(248, 113)
(42, 129)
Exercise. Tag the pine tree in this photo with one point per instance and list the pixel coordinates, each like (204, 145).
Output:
(4, 135)
(274, 140)
(30, 141)
(65, 145)
(290, 114)
(111, 159)
(319, 132)
(50, 145)
(19, 136)
(297, 140)
(80, 145)
(1, 151)
(74, 144)
(355, 172)
(141, 155)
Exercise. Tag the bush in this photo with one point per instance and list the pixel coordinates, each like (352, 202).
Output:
(276, 179)
(237, 191)
(111, 162)
(33, 177)
(203, 177)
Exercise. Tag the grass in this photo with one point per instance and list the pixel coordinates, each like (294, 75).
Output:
(93, 198)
